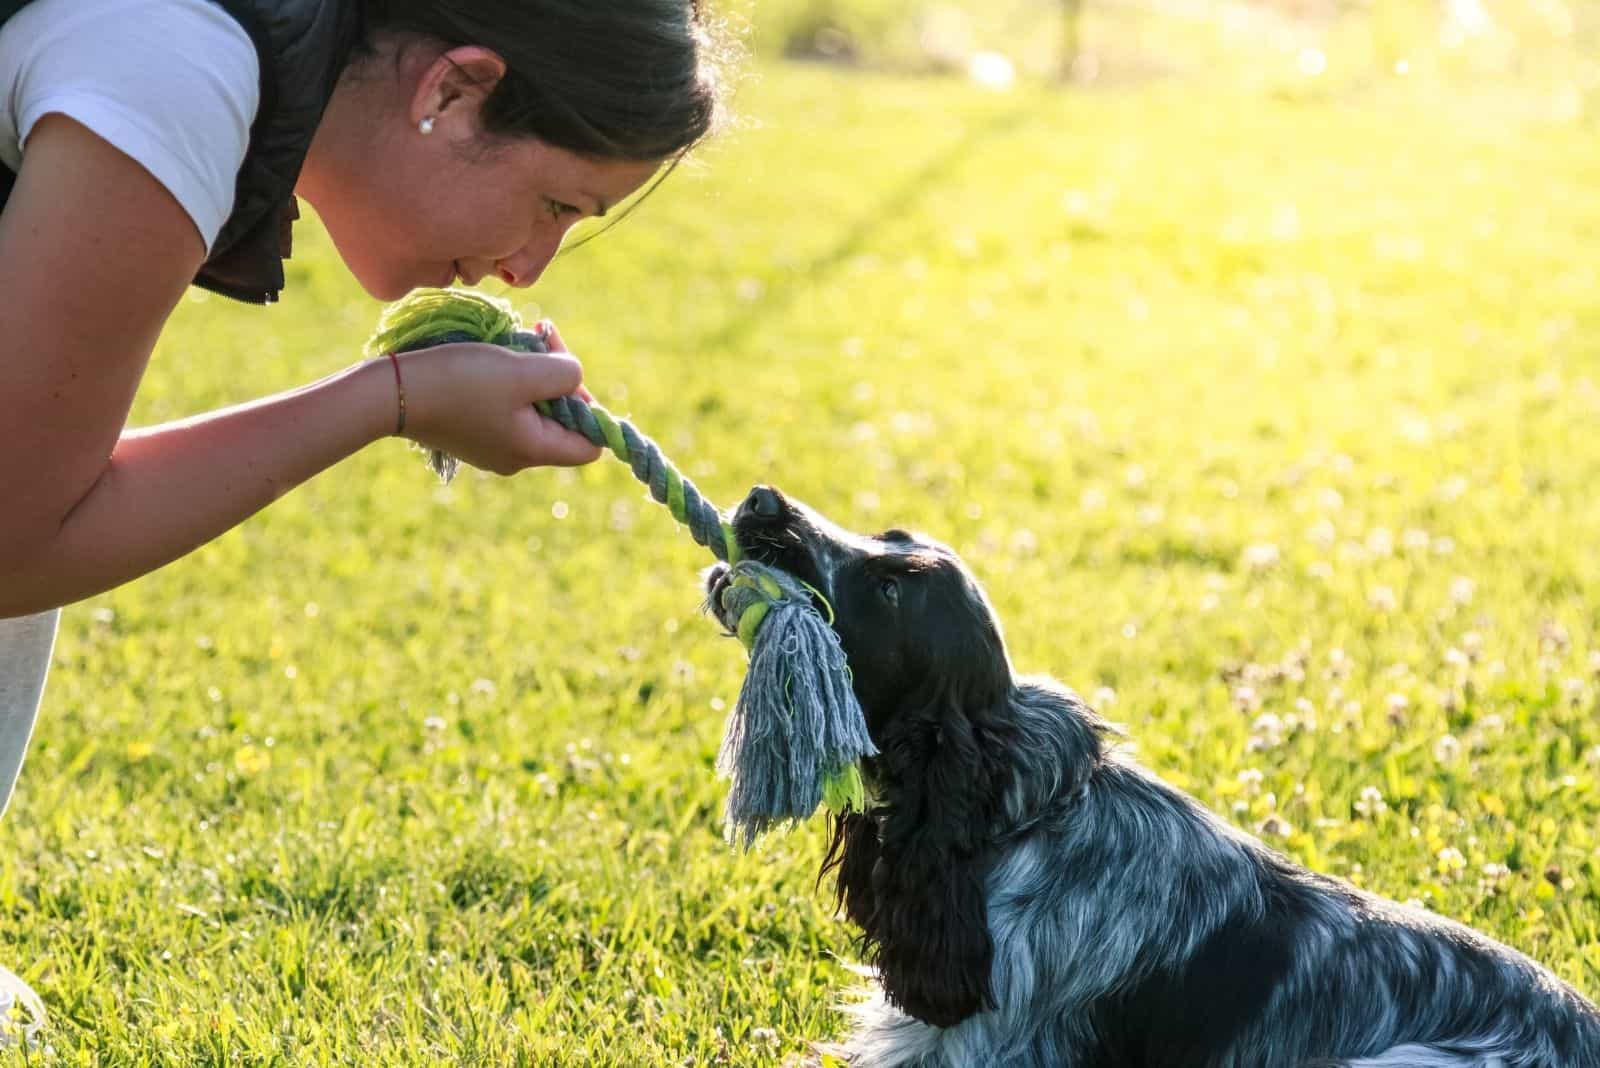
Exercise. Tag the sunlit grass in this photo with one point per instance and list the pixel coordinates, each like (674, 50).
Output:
(1269, 421)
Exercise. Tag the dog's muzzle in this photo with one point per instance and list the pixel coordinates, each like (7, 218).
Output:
(763, 511)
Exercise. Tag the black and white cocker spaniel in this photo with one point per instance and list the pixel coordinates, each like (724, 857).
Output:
(1030, 897)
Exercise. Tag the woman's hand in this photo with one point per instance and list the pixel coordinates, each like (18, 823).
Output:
(475, 402)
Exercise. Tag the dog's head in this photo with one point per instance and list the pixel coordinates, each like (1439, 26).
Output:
(929, 665)
(915, 625)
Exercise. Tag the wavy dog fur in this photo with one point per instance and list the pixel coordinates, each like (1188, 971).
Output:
(1030, 897)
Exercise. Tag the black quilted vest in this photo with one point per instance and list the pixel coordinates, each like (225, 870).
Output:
(302, 46)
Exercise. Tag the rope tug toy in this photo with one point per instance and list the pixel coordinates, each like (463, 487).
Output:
(797, 732)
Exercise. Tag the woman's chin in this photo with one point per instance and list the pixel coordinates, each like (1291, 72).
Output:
(387, 285)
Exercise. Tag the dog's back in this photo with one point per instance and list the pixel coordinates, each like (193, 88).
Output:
(1133, 928)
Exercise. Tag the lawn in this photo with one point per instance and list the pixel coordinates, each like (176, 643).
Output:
(1271, 420)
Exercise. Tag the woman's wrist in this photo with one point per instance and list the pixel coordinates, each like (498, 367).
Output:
(378, 396)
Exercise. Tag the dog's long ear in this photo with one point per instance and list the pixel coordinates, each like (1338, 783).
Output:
(928, 921)
(852, 855)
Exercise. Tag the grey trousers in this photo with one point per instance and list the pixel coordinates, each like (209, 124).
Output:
(25, 645)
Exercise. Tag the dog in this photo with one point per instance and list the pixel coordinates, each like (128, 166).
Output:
(1028, 896)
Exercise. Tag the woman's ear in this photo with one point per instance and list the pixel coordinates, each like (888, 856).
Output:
(452, 86)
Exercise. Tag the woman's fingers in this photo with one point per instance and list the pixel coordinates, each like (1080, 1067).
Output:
(476, 402)
(544, 441)
(546, 377)
(552, 337)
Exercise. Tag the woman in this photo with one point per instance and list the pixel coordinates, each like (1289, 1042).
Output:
(148, 144)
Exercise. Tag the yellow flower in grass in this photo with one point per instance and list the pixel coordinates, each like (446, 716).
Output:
(1451, 862)
(252, 760)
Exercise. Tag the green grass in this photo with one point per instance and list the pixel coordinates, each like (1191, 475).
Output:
(1242, 405)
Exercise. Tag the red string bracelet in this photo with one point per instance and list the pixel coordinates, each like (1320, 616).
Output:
(400, 388)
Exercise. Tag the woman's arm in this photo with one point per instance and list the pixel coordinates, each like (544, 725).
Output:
(94, 254)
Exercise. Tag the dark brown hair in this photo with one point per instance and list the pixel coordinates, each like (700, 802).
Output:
(607, 79)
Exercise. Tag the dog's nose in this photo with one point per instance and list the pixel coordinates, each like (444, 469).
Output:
(764, 502)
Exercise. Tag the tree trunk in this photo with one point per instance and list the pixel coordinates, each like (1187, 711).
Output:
(1071, 37)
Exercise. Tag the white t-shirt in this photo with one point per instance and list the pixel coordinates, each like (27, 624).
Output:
(174, 84)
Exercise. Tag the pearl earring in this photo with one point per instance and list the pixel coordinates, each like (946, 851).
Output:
(425, 127)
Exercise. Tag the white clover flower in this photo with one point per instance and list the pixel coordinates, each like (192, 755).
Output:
(1382, 599)
(1493, 877)
(1462, 589)
(1265, 733)
(1261, 556)
(1446, 748)
(1553, 637)
(1250, 780)
(1371, 803)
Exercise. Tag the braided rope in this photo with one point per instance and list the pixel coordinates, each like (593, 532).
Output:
(797, 732)
(644, 457)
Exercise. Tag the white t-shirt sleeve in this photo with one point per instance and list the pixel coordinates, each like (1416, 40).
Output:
(174, 84)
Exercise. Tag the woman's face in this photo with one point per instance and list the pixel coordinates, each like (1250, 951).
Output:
(408, 209)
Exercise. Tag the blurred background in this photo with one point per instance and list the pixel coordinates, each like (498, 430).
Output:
(1549, 46)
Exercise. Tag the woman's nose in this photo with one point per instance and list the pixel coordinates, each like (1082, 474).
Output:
(521, 271)
(524, 267)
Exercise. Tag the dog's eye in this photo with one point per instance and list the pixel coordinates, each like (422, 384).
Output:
(889, 590)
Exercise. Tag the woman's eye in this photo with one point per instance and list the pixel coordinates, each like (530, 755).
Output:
(558, 209)
(889, 590)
